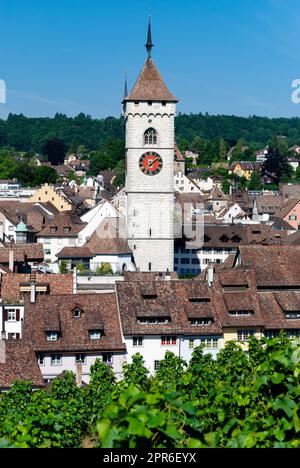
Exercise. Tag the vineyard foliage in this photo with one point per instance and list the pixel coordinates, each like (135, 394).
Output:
(237, 401)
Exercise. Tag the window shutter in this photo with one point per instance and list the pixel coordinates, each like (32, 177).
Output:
(18, 336)
(18, 315)
(5, 315)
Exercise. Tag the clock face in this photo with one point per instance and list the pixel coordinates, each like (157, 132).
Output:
(151, 163)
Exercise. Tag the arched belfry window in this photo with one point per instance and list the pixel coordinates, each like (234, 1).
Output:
(150, 137)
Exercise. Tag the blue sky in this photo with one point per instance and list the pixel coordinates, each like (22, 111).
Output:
(218, 56)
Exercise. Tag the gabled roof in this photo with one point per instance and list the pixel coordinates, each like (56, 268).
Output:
(172, 299)
(150, 86)
(20, 365)
(58, 284)
(287, 208)
(273, 265)
(217, 194)
(60, 222)
(178, 155)
(99, 313)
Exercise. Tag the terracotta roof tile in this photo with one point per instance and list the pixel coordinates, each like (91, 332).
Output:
(20, 365)
(99, 311)
(150, 86)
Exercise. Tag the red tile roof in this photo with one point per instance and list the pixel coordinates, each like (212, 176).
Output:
(20, 365)
(99, 311)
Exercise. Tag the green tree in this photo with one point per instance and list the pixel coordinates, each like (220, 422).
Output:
(63, 267)
(255, 182)
(136, 374)
(226, 186)
(55, 149)
(223, 150)
(105, 270)
(99, 391)
(170, 369)
(44, 175)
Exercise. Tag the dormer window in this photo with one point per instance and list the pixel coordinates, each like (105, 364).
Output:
(52, 336)
(67, 230)
(236, 239)
(95, 335)
(53, 229)
(149, 297)
(154, 320)
(201, 322)
(150, 137)
(202, 300)
(77, 313)
(241, 313)
(295, 315)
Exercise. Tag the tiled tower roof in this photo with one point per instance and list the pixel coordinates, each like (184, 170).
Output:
(150, 86)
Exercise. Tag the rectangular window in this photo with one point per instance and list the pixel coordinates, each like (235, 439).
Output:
(210, 343)
(41, 359)
(271, 333)
(240, 313)
(14, 336)
(11, 315)
(191, 344)
(168, 340)
(95, 335)
(52, 336)
(292, 333)
(185, 261)
(138, 341)
(201, 322)
(56, 360)
(80, 359)
(47, 251)
(107, 358)
(244, 335)
(292, 315)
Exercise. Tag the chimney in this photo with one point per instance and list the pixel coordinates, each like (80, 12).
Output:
(75, 281)
(32, 289)
(210, 275)
(11, 260)
(2, 351)
(79, 374)
(3, 333)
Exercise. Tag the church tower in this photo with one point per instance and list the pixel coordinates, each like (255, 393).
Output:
(149, 112)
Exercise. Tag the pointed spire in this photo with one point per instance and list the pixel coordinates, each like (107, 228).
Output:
(126, 87)
(149, 44)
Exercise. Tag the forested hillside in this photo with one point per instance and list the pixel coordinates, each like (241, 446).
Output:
(30, 134)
